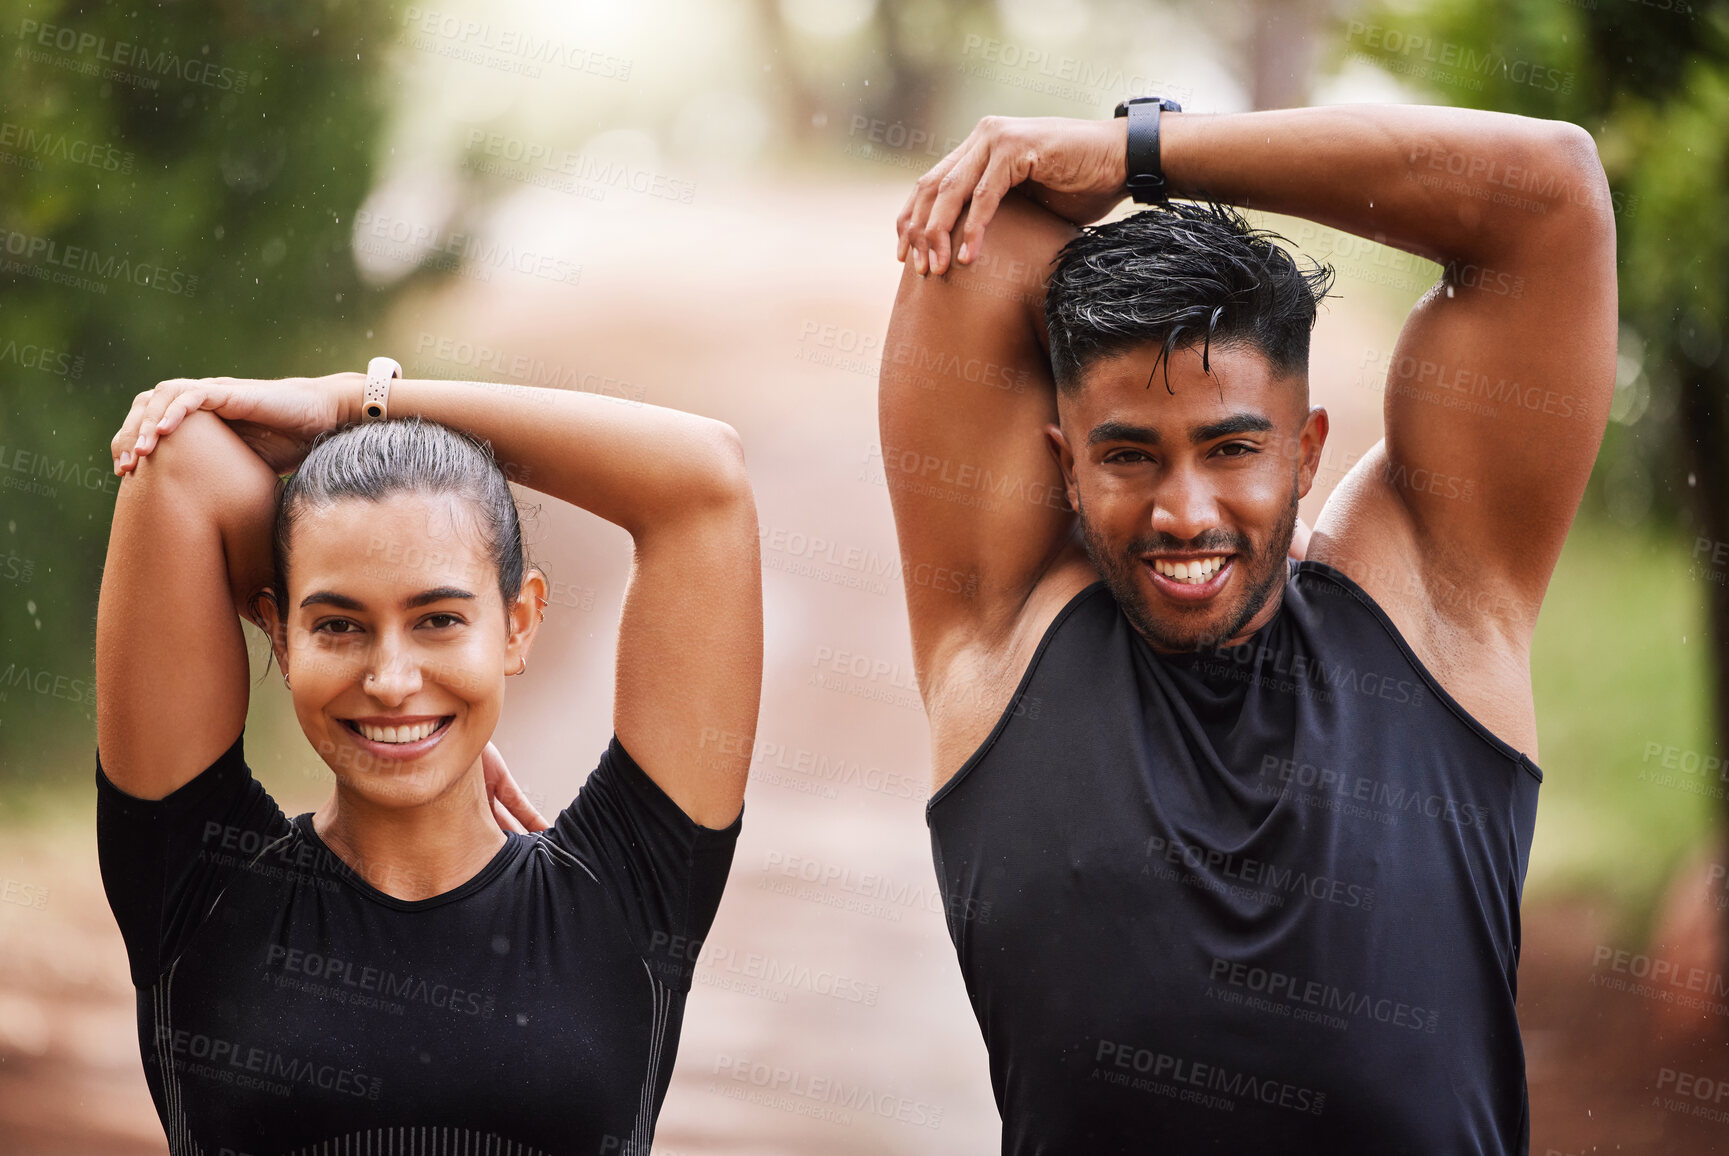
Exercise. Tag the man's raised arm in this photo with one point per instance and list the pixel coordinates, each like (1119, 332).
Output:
(979, 503)
(1499, 386)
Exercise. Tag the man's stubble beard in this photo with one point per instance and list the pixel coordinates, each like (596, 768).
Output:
(1120, 573)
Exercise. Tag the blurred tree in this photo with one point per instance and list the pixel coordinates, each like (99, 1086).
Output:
(177, 187)
(908, 47)
(1650, 79)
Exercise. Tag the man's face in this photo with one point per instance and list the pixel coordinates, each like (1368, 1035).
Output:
(1187, 499)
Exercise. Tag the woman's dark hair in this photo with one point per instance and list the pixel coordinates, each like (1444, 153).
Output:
(1191, 273)
(377, 460)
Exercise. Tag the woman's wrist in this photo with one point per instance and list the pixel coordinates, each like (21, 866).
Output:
(347, 389)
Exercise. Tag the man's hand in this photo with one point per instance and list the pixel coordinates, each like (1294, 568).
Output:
(509, 805)
(278, 420)
(1075, 168)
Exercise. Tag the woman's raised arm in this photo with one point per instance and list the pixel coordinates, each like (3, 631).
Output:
(689, 675)
(189, 545)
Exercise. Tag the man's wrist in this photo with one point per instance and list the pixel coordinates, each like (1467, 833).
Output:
(1118, 127)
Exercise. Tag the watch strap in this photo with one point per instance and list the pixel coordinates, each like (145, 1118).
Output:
(1146, 179)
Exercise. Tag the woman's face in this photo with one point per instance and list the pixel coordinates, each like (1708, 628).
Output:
(397, 644)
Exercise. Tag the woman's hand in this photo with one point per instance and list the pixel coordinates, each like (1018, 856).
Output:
(277, 419)
(510, 807)
(1075, 168)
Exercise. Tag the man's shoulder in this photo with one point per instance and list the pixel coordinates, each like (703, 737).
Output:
(1470, 633)
(975, 678)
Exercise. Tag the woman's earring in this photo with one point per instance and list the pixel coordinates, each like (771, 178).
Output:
(523, 667)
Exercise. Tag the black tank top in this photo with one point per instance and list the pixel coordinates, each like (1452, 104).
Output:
(1262, 898)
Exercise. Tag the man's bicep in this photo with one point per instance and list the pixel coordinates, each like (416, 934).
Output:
(1497, 394)
(965, 393)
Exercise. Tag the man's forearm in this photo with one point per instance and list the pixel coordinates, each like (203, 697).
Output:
(633, 464)
(1418, 177)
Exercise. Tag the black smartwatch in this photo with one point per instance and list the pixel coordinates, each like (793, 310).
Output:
(1146, 179)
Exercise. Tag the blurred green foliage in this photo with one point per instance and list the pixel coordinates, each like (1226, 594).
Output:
(1614, 678)
(177, 186)
(1650, 80)
(1617, 816)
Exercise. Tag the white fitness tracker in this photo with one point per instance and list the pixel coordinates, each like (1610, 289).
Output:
(380, 371)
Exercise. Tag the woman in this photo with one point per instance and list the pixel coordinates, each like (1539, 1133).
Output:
(393, 972)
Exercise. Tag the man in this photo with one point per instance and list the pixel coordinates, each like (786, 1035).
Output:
(1232, 844)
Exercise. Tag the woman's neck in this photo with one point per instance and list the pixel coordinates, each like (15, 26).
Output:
(418, 852)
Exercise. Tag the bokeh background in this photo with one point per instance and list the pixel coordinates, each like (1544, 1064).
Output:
(692, 204)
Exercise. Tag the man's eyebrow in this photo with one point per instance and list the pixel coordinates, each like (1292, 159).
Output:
(1235, 424)
(344, 602)
(1122, 431)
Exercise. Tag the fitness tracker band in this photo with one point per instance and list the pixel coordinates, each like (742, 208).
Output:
(380, 371)
(1146, 178)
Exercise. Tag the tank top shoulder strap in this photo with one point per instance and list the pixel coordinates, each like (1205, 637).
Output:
(1095, 595)
(1312, 582)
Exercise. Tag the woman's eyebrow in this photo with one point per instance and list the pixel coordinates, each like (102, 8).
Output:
(344, 602)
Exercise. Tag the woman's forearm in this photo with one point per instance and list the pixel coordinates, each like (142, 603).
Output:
(633, 464)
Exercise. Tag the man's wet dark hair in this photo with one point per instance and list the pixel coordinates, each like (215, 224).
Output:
(1188, 274)
(378, 460)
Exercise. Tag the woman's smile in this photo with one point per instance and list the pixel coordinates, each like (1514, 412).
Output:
(398, 737)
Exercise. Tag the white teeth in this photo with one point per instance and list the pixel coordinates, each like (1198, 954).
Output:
(1191, 573)
(412, 732)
